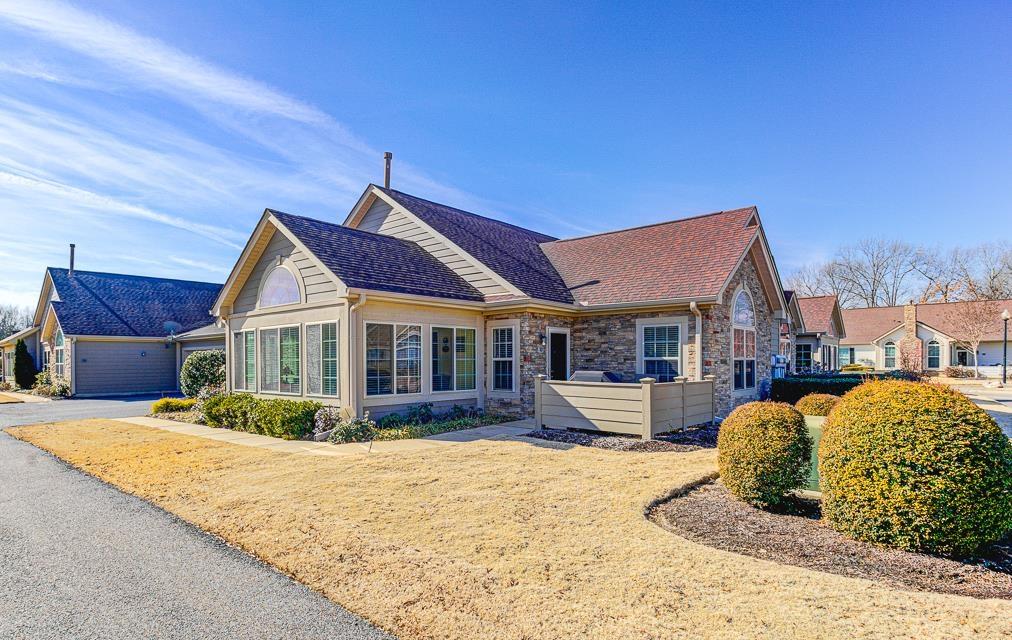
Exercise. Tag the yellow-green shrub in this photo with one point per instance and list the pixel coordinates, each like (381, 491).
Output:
(166, 405)
(917, 467)
(764, 452)
(817, 404)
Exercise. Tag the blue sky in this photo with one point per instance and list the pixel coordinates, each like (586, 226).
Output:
(153, 136)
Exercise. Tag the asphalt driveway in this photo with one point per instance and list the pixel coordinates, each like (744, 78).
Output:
(80, 559)
(12, 415)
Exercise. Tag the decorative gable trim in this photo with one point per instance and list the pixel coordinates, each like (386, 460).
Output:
(771, 281)
(372, 194)
(252, 252)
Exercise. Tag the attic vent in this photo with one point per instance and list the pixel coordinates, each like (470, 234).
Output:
(752, 221)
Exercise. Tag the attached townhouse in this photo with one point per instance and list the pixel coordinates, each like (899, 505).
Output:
(412, 301)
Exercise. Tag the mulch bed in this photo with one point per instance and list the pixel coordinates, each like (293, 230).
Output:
(694, 439)
(710, 515)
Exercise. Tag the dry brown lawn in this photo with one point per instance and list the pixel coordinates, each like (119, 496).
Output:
(9, 399)
(500, 539)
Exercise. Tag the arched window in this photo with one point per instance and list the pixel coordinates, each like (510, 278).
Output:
(743, 343)
(934, 355)
(280, 287)
(890, 355)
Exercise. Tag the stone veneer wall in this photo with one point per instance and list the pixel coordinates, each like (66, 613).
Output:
(608, 342)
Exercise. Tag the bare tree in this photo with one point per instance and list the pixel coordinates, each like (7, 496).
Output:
(939, 279)
(985, 271)
(820, 280)
(876, 272)
(13, 319)
(973, 320)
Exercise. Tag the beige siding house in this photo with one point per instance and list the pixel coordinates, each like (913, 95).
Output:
(411, 301)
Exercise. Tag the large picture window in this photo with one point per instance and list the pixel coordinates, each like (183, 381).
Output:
(503, 374)
(890, 355)
(744, 342)
(393, 359)
(280, 287)
(244, 366)
(321, 359)
(453, 359)
(661, 352)
(281, 358)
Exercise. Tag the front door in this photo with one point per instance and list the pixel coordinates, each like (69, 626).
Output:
(558, 355)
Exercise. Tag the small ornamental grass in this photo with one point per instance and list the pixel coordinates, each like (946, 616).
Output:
(172, 405)
(763, 452)
(817, 404)
(917, 467)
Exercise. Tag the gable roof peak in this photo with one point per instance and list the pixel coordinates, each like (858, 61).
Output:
(663, 223)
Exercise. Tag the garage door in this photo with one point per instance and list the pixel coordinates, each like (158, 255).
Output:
(111, 368)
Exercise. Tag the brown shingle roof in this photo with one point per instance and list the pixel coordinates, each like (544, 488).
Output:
(865, 325)
(681, 259)
(817, 314)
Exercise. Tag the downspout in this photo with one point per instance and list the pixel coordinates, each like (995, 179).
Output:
(699, 338)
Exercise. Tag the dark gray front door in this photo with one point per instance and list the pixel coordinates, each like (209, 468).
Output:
(558, 356)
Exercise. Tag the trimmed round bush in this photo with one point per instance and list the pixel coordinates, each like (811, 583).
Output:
(817, 404)
(915, 466)
(202, 369)
(764, 452)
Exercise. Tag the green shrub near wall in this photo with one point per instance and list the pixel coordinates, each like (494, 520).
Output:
(917, 467)
(817, 404)
(793, 388)
(168, 405)
(202, 369)
(24, 368)
(276, 417)
(764, 452)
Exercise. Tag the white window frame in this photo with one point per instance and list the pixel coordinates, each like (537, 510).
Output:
(490, 348)
(681, 322)
(428, 329)
(59, 355)
(927, 351)
(337, 338)
(236, 356)
(569, 349)
(885, 355)
(302, 360)
(280, 262)
(393, 350)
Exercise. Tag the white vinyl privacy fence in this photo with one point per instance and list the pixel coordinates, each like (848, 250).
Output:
(645, 408)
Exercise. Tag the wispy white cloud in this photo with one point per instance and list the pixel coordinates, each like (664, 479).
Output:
(200, 264)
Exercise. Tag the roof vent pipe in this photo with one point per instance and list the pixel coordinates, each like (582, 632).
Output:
(71, 258)
(387, 157)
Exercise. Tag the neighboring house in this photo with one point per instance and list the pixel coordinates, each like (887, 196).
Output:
(411, 301)
(208, 337)
(31, 337)
(931, 333)
(817, 344)
(790, 327)
(113, 334)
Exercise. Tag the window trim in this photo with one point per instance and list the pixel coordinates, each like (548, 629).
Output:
(302, 355)
(746, 329)
(797, 358)
(337, 337)
(256, 370)
(885, 355)
(281, 262)
(491, 391)
(428, 329)
(682, 322)
(393, 371)
(927, 350)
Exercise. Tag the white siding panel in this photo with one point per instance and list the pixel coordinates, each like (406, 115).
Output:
(110, 368)
(381, 218)
(319, 286)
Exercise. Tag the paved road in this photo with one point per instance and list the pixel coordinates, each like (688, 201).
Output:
(80, 559)
(74, 409)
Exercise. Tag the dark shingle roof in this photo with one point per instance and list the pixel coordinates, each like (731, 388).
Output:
(367, 260)
(111, 304)
(512, 252)
(687, 258)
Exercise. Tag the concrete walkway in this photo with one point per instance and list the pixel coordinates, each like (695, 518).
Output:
(498, 431)
(24, 397)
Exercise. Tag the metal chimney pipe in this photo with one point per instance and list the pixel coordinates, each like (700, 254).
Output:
(387, 157)
(72, 258)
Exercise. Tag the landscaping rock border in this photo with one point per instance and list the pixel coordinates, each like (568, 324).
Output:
(694, 439)
(710, 515)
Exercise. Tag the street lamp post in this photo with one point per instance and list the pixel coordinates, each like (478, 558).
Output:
(1004, 347)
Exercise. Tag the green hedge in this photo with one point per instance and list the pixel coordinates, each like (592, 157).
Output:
(915, 466)
(794, 388)
(276, 417)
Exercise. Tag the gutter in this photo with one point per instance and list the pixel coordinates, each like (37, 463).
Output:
(694, 308)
